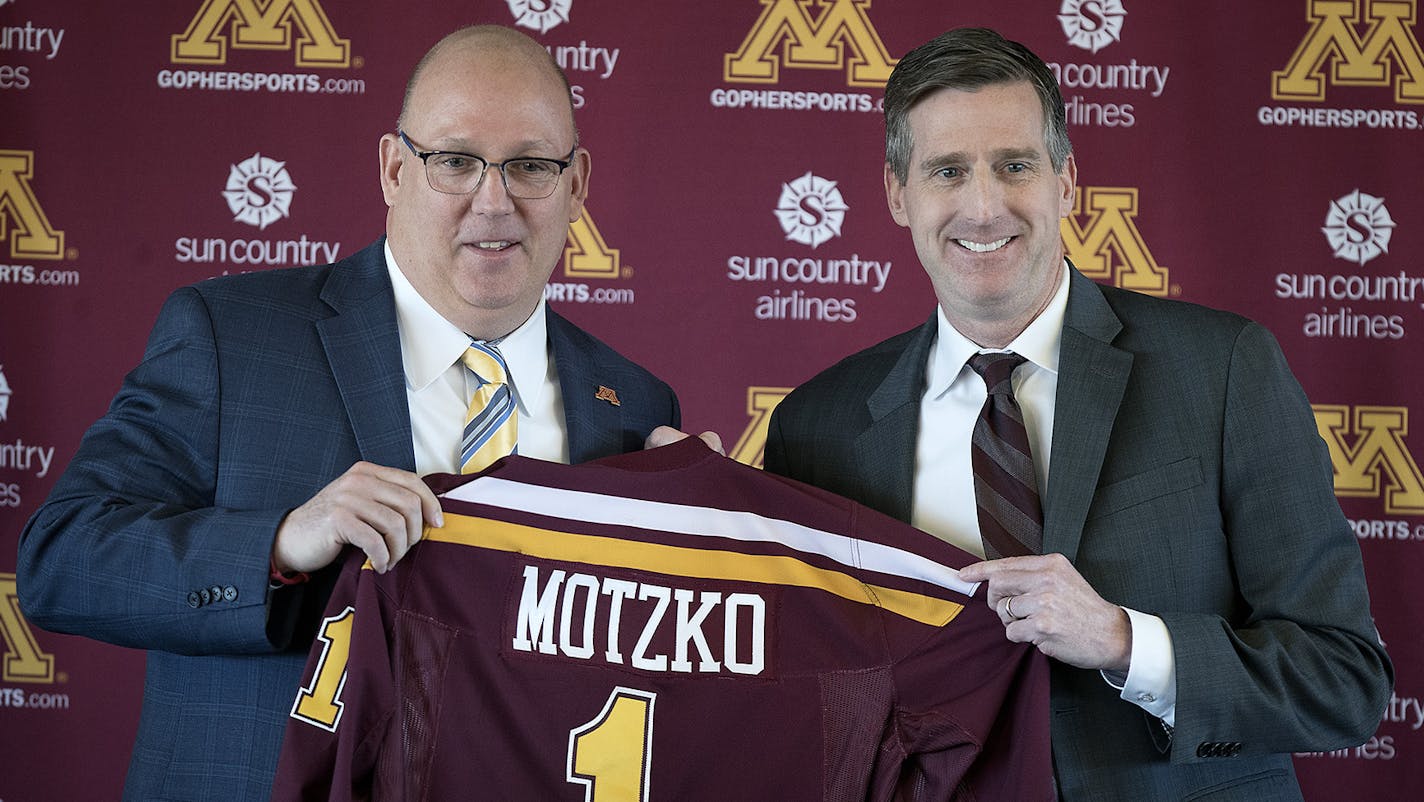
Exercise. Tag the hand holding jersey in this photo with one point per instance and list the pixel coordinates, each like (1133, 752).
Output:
(377, 509)
(1055, 609)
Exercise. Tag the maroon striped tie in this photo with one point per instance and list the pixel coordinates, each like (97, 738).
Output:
(1010, 517)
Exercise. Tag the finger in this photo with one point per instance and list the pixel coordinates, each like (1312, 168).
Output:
(663, 435)
(977, 572)
(397, 512)
(428, 505)
(370, 542)
(713, 441)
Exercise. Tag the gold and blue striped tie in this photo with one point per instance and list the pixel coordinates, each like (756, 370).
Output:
(492, 422)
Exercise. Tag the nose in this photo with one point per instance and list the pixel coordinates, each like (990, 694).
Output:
(491, 197)
(985, 197)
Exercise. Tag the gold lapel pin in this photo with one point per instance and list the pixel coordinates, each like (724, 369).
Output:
(607, 394)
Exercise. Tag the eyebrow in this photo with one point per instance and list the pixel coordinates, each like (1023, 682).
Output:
(522, 150)
(1000, 155)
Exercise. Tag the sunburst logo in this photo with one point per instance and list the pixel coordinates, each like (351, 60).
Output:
(4, 396)
(1358, 227)
(259, 191)
(811, 210)
(1092, 24)
(540, 15)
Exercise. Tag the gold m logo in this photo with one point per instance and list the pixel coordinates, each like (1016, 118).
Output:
(31, 237)
(751, 447)
(1378, 457)
(1359, 60)
(818, 44)
(587, 255)
(23, 660)
(262, 25)
(1109, 247)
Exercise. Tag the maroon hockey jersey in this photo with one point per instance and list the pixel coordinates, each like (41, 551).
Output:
(671, 625)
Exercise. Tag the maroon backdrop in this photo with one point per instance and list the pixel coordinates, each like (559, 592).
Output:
(1259, 157)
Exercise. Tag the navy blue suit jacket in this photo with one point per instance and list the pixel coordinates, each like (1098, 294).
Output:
(255, 391)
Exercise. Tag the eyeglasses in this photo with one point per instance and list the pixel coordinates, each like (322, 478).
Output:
(456, 173)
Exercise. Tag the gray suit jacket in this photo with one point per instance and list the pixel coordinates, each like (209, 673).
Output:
(1187, 480)
(255, 391)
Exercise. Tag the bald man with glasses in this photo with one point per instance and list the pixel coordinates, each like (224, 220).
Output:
(280, 417)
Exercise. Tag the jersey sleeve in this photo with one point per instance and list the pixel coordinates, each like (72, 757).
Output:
(341, 716)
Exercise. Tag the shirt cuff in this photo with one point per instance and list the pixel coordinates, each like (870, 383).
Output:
(1151, 681)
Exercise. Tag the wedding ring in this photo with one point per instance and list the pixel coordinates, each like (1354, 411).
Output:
(1009, 608)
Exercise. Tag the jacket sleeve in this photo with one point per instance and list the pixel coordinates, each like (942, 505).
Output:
(130, 548)
(1302, 668)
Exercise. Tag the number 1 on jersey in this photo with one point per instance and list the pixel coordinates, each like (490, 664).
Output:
(319, 704)
(612, 754)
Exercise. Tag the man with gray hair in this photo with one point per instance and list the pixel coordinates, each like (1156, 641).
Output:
(1144, 476)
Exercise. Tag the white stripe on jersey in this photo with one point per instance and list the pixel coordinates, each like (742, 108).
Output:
(708, 522)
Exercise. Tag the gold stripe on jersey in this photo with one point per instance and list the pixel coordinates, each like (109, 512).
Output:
(683, 561)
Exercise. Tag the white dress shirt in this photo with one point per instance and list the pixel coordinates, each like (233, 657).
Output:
(943, 496)
(439, 388)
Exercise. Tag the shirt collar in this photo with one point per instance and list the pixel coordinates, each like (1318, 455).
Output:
(1038, 343)
(430, 344)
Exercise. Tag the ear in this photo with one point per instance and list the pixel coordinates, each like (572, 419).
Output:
(577, 176)
(1068, 178)
(392, 156)
(895, 196)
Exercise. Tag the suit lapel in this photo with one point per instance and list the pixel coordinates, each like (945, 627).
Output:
(885, 451)
(362, 342)
(595, 426)
(1092, 376)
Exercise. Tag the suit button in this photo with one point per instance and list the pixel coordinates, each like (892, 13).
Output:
(1235, 750)
(216, 593)
(206, 596)
(194, 600)
(229, 593)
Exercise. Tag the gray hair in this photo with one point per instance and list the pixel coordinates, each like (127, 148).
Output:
(969, 59)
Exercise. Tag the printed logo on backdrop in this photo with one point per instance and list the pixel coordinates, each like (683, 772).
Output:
(587, 255)
(809, 213)
(23, 222)
(1107, 95)
(1370, 454)
(1092, 24)
(811, 210)
(751, 446)
(1358, 227)
(26, 39)
(1103, 241)
(19, 460)
(23, 660)
(1376, 300)
(258, 192)
(300, 28)
(1349, 46)
(25, 230)
(540, 15)
(840, 40)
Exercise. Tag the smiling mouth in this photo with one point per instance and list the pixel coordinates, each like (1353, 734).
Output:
(493, 245)
(983, 247)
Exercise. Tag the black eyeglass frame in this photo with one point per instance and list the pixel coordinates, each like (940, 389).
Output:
(424, 156)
